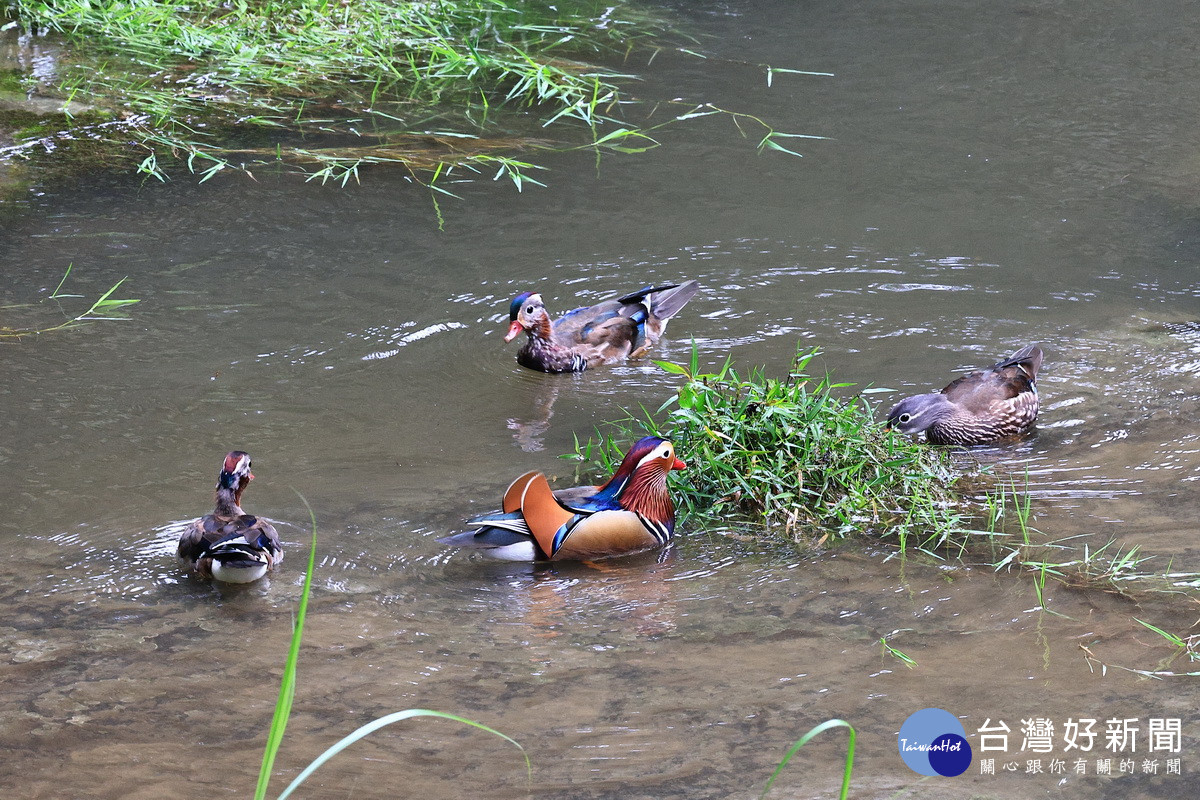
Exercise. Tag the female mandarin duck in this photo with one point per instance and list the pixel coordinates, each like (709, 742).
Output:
(979, 407)
(229, 544)
(624, 327)
(630, 513)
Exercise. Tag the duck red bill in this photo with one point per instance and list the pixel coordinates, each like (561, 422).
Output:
(514, 330)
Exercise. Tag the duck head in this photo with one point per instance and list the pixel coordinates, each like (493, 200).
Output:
(640, 483)
(652, 453)
(526, 312)
(644, 469)
(919, 413)
(235, 474)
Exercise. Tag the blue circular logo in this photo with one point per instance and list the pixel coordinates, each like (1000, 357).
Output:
(933, 742)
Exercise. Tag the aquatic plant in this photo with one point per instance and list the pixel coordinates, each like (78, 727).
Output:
(900, 655)
(795, 456)
(104, 308)
(1184, 646)
(330, 87)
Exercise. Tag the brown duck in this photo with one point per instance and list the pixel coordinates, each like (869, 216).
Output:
(608, 332)
(979, 407)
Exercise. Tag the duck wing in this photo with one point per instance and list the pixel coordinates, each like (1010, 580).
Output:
(666, 301)
(1028, 360)
(567, 329)
(207, 531)
(663, 303)
(193, 541)
(234, 541)
(978, 392)
(610, 340)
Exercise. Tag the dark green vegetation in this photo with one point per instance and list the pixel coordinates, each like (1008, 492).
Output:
(330, 86)
(793, 456)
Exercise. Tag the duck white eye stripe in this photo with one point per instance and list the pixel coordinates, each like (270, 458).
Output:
(661, 452)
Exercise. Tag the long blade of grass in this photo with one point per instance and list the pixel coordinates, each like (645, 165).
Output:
(383, 721)
(287, 686)
(55, 295)
(1170, 637)
(805, 739)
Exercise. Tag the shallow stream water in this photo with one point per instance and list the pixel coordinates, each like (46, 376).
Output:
(995, 174)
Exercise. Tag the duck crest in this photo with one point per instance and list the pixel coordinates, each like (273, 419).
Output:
(514, 308)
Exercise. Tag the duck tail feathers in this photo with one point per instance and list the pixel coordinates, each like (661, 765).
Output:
(666, 303)
(1028, 358)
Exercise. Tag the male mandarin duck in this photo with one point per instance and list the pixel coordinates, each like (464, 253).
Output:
(630, 513)
(624, 327)
(979, 407)
(229, 544)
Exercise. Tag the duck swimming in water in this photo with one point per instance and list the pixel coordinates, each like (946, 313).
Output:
(631, 512)
(979, 407)
(606, 333)
(229, 544)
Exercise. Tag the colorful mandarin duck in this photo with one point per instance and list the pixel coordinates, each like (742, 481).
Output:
(625, 327)
(229, 544)
(630, 513)
(979, 407)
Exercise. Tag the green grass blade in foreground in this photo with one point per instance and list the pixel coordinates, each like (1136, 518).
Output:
(805, 739)
(1170, 637)
(287, 686)
(375, 725)
(287, 693)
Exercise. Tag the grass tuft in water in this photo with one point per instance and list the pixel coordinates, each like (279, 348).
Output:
(794, 456)
(1184, 646)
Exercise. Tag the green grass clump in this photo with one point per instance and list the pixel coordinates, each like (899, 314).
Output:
(331, 86)
(793, 455)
